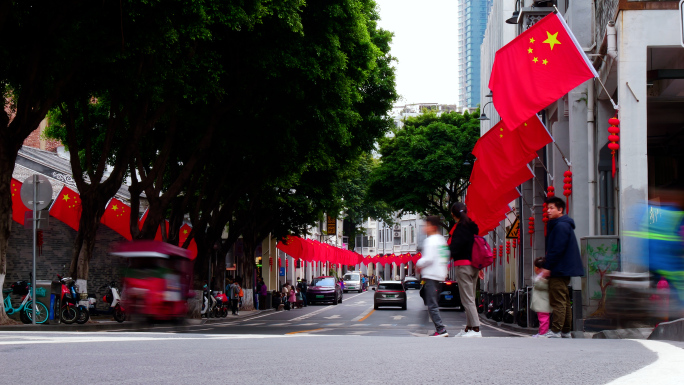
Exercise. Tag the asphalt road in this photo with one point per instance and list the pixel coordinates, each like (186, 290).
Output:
(342, 344)
(354, 316)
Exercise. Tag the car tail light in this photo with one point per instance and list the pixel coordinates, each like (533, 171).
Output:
(448, 283)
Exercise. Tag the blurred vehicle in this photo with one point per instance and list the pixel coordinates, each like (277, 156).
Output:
(157, 281)
(448, 295)
(412, 283)
(324, 289)
(352, 281)
(389, 293)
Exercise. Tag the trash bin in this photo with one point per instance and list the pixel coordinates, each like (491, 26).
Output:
(55, 296)
(44, 293)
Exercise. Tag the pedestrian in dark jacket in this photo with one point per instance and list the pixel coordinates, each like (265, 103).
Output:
(461, 250)
(562, 261)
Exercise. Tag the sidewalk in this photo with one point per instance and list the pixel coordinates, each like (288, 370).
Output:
(106, 323)
(529, 331)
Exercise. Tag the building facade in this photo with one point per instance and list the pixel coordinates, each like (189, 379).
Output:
(472, 21)
(636, 47)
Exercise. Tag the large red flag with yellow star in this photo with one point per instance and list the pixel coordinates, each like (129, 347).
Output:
(183, 236)
(67, 207)
(537, 68)
(117, 216)
(18, 207)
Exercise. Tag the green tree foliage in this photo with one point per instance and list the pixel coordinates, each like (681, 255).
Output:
(422, 168)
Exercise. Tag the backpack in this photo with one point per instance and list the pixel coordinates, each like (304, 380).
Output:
(236, 290)
(482, 254)
(242, 293)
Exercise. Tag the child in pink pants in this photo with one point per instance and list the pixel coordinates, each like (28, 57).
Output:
(540, 298)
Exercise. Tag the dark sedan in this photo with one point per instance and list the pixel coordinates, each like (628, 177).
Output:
(448, 295)
(324, 289)
(411, 283)
(389, 293)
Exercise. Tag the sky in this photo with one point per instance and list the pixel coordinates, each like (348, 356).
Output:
(425, 45)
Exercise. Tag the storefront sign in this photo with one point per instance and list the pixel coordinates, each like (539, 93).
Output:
(332, 226)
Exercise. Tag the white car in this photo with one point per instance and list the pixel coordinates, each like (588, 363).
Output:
(352, 281)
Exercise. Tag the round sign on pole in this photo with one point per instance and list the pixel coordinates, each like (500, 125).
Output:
(43, 193)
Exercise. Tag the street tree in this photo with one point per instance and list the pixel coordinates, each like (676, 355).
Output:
(423, 166)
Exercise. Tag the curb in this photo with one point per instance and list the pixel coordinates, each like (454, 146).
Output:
(505, 326)
(103, 325)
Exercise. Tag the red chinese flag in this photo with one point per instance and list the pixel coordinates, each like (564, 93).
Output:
(501, 151)
(67, 207)
(18, 207)
(158, 235)
(537, 68)
(291, 246)
(117, 216)
(183, 236)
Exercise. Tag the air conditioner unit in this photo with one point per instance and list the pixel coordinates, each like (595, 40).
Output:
(397, 233)
(397, 227)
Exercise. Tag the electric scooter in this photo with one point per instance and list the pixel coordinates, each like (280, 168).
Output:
(113, 298)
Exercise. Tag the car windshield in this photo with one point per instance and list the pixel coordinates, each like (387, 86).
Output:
(351, 277)
(390, 286)
(324, 282)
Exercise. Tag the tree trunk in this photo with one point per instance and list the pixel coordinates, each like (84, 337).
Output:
(7, 158)
(92, 209)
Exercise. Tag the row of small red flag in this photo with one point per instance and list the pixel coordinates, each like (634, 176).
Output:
(534, 70)
(67, 209)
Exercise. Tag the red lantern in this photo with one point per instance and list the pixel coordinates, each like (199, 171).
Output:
(500, 254)
(550, 192)
(270, 263)
(280, 262)
(531, 229)
(545, 216)
(567, 187)
(508, 250)
(614, 138)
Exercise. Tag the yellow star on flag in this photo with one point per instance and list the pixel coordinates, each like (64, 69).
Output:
(185, 232)
(545, 62)
(115, 208)
(529, 50)
(531, 40)
(66, 197)
(535, 60)
(552, 39)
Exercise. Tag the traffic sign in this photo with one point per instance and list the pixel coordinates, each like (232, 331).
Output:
(43, 192)
(514, 230)
(282, 272)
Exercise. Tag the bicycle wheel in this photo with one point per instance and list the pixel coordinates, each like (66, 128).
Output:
(119, 315)
(69, 314)
(42, 312)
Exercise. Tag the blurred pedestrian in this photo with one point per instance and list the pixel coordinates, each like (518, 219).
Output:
(303, 287)
(263, 293)
(461, 247)
(540, 298)
(562, 262)
(235, 297)
(285, 295)
(292, 296)
(433, 268)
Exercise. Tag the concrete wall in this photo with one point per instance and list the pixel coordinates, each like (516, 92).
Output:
(57, 247)
(637, 31)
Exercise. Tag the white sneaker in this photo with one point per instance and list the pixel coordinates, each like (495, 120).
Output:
(566, 335)
(460, 334)
(472, 334)
(551, 334)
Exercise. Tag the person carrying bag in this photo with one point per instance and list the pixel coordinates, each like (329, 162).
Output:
(461, 248)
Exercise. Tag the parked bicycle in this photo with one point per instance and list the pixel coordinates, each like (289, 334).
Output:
(25, 307)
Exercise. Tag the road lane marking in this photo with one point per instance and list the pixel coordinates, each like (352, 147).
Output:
(308, 324)
(305, 331)
(360, 332)
(281, 324)
(668, 368)
(387, 325)
(363, 318)
(338, 324)
(254, 324)
(398, 317)
(333, 316)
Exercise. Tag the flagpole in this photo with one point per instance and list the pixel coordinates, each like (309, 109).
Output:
(616, 107)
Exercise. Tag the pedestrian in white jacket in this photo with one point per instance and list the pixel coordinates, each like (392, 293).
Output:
(433, 269)
(540, 298)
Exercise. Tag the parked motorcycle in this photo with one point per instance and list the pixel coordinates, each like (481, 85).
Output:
(67, 303)
(113, 298)
(221, 309)
(208, 303)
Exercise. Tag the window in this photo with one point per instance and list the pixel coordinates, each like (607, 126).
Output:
(404, 235)
(413, 235)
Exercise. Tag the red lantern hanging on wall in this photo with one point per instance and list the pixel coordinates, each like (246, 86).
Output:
(501, 252)
(508, 251)
(530, 228)
(613, 138)
(270, 263)
(550, 192)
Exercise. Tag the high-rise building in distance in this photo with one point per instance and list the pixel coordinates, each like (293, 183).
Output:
(472, 21)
